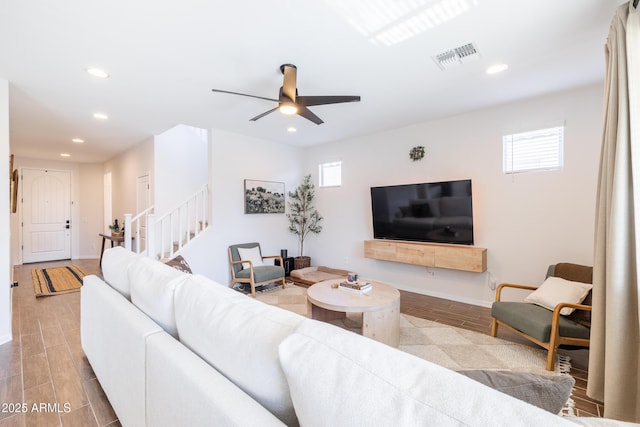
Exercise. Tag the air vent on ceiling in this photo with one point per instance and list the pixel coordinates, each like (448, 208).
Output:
(457, 56)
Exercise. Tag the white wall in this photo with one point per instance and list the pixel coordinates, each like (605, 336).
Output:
(230, 165)
(5, 245)
(526, 221)
(90, 207)
(181, 155)
(126, 168)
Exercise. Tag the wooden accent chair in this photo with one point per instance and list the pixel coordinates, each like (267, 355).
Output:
(244, 270)
(544, 327)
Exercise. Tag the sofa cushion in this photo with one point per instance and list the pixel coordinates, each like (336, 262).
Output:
(535, 321)
(361, 377)
(152, 287)
(262, 273)
(238, 336)
(115, 267)
(555, 290)
(183, 390)
(549, 392)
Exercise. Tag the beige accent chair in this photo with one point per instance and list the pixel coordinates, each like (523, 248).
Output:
(545, 327)
(244, 270)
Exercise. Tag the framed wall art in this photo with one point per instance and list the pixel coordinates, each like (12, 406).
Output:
(263, 197)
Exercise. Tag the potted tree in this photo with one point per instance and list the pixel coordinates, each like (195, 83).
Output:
(303, 218)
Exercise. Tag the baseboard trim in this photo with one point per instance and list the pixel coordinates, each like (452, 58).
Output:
(5, 339)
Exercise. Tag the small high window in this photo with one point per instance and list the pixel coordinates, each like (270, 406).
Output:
(330, 174)
(535, 150)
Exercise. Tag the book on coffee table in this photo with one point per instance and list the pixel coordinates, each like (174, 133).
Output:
(357, 288)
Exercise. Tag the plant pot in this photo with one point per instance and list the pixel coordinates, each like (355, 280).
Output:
(301, 262)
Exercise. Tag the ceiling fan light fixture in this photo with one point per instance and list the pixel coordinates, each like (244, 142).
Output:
(288, 108)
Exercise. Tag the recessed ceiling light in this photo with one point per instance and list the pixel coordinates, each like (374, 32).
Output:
(100, 116)
(498, 68)
(291, 129)
(97, 72)
(77, 140)
(65, 155)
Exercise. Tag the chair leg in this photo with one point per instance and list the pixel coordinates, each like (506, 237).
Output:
(284, 283)
(494, 327)
(551, 358)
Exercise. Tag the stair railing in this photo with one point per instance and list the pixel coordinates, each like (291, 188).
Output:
(133, 241)
(169, 233)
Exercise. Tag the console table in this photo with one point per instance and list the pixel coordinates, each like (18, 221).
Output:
(114, 239)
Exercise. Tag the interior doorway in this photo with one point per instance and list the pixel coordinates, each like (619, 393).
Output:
(46, 215)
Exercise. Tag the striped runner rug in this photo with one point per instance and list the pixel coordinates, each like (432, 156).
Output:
(57, 280)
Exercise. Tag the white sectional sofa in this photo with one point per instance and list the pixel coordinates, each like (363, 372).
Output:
(173, 349)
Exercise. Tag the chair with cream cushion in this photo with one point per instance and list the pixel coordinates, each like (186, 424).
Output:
(557, 313)
(247, 266)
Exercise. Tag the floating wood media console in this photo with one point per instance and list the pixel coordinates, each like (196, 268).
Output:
(454, 257)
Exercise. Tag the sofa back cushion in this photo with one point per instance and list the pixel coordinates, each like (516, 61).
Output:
(355, 377)
(239, 337)
(115, 269)
(152, 290)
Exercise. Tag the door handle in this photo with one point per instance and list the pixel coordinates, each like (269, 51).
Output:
(68, 225)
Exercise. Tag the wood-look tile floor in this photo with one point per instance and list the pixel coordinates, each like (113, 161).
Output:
(45, 364)
(45, 378)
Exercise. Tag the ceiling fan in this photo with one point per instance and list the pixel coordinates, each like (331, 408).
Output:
(290, 103)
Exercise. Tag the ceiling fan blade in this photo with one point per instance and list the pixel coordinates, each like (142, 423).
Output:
(307, 114)
(244, 94)
(323, 100)
(259, 116)
(289, 86)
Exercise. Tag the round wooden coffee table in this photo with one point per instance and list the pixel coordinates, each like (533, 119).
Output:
(380, 308)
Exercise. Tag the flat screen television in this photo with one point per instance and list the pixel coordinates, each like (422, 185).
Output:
(439, 212)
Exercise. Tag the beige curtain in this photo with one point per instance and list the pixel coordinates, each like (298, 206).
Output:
(614, 359)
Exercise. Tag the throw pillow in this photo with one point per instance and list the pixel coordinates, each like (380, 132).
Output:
(549, 392)
(555, 290)
(179, 263)
(251, 254)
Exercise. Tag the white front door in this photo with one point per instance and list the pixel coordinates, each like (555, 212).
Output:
(46, 215)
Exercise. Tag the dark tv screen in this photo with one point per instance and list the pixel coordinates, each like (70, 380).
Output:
(439, 212)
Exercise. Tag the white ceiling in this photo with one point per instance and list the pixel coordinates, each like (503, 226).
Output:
(164, 57)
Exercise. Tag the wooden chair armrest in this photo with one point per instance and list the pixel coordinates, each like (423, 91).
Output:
(560, 306)
(242, 261)
(511, 285)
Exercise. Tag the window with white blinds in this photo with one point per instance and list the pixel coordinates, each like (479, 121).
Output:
(533, 151)
(330, 174)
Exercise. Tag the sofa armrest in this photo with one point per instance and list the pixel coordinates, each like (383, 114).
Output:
(113, 333)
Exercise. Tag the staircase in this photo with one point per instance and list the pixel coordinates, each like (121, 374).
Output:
(164, 236)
